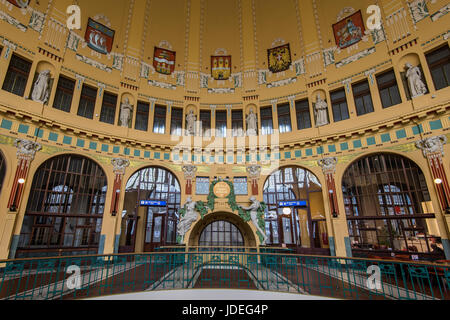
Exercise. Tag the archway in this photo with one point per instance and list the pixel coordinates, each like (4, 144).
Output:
(153, 196)
(2, 169)
(301, 225)
(222, 220)
(65, 208)
(388, 207)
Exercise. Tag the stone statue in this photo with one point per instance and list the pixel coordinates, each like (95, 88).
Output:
(190, 123)
(321, 112)
(189, 171)
(190, 216)
(120, 165)
(254, 171)
(432, 145)
(26, 149)
(254, 216)
(328, 164)
(41, 87)
(415, 83)
(125, 113)
(251, 124)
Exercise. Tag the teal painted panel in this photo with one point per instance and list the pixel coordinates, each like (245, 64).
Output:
(309, 152)
(401, 134)
(371, 141)
(319, 150)
(93, 145)
(147, 154)
(298, 153)
(247, 157)
(332, 148)
(176, 157)
(436, 125)
(357, 144)
(211, 159)
(258, 157)
(277, 156)
(116, 149)
(137, 153)
(105, 148)
(156, 155)
(38, 133)
(344, 146)
(6, 124)
(23, 128)
(287, 155)
(67, 140)
(126, 151)
(417, 129)
(239, 159)
(385, 137)
(230, 159)
(80, 143)
(53, 136)
(220, 159)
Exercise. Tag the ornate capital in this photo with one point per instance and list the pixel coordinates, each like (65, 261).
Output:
(120, 165)
(328, 164)
(254, 171)
(26, 149)
(189, 171)
(432, 145)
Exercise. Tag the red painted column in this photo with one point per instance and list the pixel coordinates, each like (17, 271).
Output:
(189, 174)
(329, 168)
(120, 166)
(254, 172)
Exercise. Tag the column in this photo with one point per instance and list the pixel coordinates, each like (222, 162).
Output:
(254, 172)
(189, 174)
(433, 150)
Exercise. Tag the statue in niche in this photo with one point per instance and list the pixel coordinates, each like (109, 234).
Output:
(125, 113)
(416, 86)
(321, 112)
(251, 123)
(41, 87)
(254, 216)
(190, 216)
(190, 123)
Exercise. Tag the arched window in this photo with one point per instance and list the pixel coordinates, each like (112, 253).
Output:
(301, 227)
(65, 208)
(387, 206)
(160, 218)
(221, 234)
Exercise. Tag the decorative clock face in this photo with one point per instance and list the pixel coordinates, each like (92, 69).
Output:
(222, 189)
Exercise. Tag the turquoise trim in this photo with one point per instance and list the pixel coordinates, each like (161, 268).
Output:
(6, 124)
(348, 247)
(344, 146)
(357, 144)
(287, 155)
(298, 153)
(105, 148)
(385, 137)
(53, 136)
(332, 148)
(309, 152)
(23, 128)
(13, 247)
(67, 140)
(101, 245)
(80, 143)
(435, 125)
(93, 145)
(417, 129)
(332, 246)
(446, 245)
(401, 134)
(371, 141)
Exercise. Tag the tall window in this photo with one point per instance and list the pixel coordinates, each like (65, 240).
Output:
(65, 208)
(64, 94)
(385, 196)
(387, 85)
(240, 185)
(141, 122)
(237, 122)
(176, 122)
(339, 105)
(159, 119)
(202, 185)
(108, 112)
(363, 100)
(87, 102)
(17, 75)
(221, 123)
(221, 233)
(439, 64)
(266, 120)
(303, 115)
(284, 118)
(205, 118)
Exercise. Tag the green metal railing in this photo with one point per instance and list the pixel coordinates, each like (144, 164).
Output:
(169, 268)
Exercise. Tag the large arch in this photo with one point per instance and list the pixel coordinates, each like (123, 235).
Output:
(148, 226)
(243, 227)
(389, 208)
(303, 228)
(65, 208)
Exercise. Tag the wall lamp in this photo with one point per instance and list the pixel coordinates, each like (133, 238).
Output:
(438, 183)
(13, 207)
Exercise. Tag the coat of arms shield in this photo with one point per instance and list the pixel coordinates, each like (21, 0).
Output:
(99, 37)
(279, 58)
(221, 67)
(164, 61)
(349, 30)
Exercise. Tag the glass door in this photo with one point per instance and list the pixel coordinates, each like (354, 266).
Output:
(154, 229)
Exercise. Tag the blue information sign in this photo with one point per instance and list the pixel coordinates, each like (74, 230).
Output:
(152, 203)
(301, 203)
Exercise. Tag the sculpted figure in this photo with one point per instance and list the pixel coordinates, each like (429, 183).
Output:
(190, 123)
(125, 113)
(321, 112)
(415, 83)
(251, 124)
(190, 216)
(41, 87)
(253, 208)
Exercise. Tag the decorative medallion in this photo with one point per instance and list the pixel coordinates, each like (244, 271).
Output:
(349, 30)
(99, 37)
(164, 61)
(220, 67)
(222, 189)
(279, 58)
